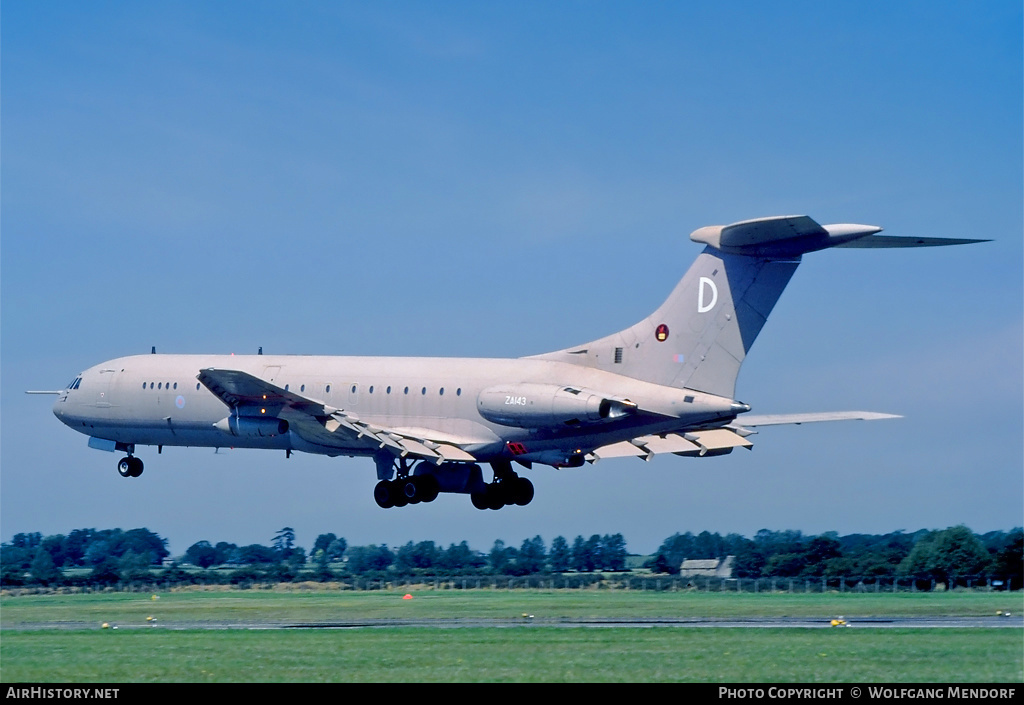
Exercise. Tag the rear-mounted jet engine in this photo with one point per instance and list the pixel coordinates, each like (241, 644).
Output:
(547, 405)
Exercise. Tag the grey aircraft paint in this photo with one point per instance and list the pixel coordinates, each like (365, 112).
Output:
(664, 385)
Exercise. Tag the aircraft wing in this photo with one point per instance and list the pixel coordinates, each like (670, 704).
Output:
(324, 425)
(720, 441)
(782, 419)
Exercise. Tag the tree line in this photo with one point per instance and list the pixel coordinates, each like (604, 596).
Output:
(945, 556)
(90, 557)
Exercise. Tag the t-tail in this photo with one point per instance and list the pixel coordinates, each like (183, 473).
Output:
(700, 336)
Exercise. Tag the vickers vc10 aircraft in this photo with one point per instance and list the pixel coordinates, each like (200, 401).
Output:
(664, 385)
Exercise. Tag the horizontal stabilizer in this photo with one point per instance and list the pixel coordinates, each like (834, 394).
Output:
(872, 241)
(789, 236)
(779, 237)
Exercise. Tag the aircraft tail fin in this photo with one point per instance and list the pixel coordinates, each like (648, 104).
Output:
(700, 336)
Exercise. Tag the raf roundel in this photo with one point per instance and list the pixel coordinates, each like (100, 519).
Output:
(661, 333)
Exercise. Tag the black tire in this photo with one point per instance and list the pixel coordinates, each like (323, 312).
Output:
(479, 500)
(409, 489)
(397, 492)
(135, 466)
(496, 496)
(427, 487)
(522, 493)
(124, 467)
(383, 495)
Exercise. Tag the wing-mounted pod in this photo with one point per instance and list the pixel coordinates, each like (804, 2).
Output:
(549, 405)
(252, 426)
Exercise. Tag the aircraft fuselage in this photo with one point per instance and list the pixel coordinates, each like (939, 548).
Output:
(157, 400)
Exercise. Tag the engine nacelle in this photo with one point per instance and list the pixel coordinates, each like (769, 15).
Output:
(549, 405)
(252, 426)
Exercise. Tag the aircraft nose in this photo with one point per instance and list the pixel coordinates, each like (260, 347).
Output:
(59, 406)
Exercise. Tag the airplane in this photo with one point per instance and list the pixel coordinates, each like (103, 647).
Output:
(664, 385)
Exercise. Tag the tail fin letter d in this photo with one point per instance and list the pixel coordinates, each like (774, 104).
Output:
(703, 307)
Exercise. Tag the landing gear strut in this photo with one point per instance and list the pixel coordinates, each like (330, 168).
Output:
(130, 466)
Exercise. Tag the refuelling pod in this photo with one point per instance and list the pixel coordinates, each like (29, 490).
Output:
(252, 426)
(548, 405)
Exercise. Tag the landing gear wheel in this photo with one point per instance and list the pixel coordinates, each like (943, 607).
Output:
(397, 492)
(427, 487)
(384, 495)
(522, 491)
(409, 490)
(496, 496)
(479, 500)
(135, 466)
(124, 467)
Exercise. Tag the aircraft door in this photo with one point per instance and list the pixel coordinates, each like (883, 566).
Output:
(103, 383)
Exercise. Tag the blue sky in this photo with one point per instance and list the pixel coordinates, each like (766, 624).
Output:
(503, 179)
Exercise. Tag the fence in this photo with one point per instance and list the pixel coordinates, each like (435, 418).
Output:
(671, 583)
(577, 581)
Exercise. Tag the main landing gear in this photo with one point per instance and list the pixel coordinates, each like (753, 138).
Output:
(130, 466)
(429, 481)
(406, 490)
(507, 489)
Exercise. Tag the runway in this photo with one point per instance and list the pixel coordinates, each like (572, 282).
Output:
(961, 622)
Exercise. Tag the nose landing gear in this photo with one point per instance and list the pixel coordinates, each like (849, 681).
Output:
(130, 466)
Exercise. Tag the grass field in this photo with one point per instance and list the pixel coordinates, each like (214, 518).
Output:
(57, 638)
